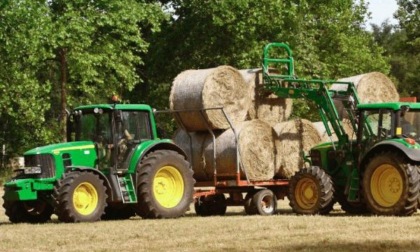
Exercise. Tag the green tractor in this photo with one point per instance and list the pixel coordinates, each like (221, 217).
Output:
(372, 169)
(113, 166)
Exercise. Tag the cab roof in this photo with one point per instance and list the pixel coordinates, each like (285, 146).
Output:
(389, 105)
(116, 106)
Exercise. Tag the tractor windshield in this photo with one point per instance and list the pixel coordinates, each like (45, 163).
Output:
(134, 125)
(94, 125)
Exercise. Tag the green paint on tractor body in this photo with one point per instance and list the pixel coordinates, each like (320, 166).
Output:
(95, 133)
(376, 127)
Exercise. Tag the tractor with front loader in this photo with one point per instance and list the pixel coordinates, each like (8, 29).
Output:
(372, 169)
(113, 166)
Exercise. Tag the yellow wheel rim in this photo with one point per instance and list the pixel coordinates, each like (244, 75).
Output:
(168, 186)
(306, 193)
(386, 185)
(85, 198)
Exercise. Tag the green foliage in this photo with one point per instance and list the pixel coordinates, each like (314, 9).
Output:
(61, 53)
(402, 47)
(24, 28)
(57, 54)
(328, 39)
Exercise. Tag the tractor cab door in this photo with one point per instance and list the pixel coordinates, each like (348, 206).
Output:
(131, 128)
(375, 126)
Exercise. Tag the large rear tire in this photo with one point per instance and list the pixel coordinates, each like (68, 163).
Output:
(80, 197)
(311, 191)
(31, 211)
(391, 185)
(165, 185)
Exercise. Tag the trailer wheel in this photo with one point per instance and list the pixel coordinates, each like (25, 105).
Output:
(165, 185)
(391, 185)
(310, 191)
(211, 205)
(264, 202)
(80, 197)
(247, 204)
(31, 211)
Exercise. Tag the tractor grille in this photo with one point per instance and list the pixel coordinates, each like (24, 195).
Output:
(45, 161)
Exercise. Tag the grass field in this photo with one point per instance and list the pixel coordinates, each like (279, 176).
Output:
(284, 231)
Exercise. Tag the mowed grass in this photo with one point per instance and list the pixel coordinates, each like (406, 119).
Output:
(284, 231)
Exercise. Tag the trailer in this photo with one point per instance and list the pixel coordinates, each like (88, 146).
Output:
(231, 189)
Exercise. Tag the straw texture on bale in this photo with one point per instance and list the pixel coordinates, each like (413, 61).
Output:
(293, 138)
(256, 151)
(322, 132)
(193, 143)
(371, 87)
(223, 87)
(265, 106)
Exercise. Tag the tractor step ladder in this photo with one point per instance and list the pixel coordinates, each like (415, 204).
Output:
(127, 189)
(354, 187)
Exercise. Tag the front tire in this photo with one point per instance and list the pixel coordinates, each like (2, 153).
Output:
(80, 197)
(165, 185)
(31, 211)
(391, 185)
(311, 191)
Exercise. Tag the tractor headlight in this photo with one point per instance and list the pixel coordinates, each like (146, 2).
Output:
(33, 170)
(21, 162)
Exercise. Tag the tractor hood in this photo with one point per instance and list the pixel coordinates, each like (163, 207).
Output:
(57, 149)
(74, 154)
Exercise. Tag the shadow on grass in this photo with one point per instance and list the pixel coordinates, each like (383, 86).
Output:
(329, 245)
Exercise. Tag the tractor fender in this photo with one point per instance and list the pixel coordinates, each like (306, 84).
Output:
(163, 146)
(150, 146)
(411, 154)
(96, 171)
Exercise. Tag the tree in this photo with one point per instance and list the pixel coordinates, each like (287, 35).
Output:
(328, 39)
(24, 28)
(58, 54)
(406, 62)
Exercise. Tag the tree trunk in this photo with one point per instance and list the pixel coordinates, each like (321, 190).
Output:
(63, 82)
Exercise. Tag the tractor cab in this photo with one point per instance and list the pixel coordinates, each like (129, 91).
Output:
(116, 131)
(383, 121)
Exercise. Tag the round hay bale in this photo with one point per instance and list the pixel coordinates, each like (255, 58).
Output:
(223, 87)
(371, 88)
(293, 138)
(193, 143)
(348, 129)
(265, 106)
(256, 151)
(322, 132)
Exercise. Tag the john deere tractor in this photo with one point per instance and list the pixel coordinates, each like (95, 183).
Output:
(113, 166)
(372, 168)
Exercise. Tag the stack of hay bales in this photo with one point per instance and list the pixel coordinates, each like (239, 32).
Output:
(263, 151)
(264, 140)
